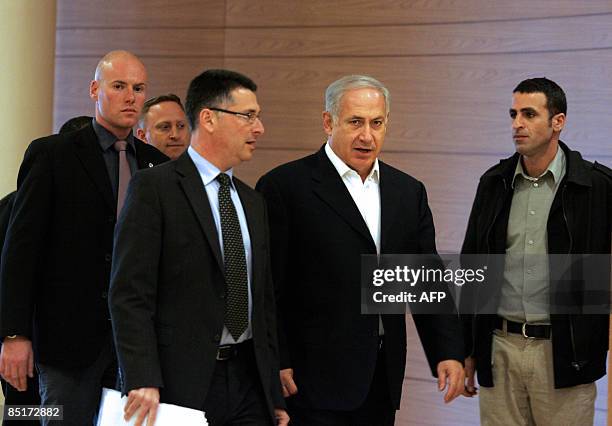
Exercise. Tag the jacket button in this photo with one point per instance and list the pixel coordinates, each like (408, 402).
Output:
(108, 257)
(217, 338)
(104, 295)
(222, 296)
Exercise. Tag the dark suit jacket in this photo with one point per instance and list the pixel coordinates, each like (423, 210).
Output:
(318, 236)
(57, 254)
(168, 290)
(6, 205)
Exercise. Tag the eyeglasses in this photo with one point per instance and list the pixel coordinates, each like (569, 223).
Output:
(250, 117)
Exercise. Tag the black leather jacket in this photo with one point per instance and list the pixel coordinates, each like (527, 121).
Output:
(579, 222)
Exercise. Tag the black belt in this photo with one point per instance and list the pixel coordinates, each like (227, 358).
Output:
(227, 352)
(529, 331)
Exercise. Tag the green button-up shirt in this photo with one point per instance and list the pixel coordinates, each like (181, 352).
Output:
(525, 290)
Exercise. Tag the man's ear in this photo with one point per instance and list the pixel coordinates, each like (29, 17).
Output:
(558, 122)
(140, 134)
(207, 120)
(328, 123)
(93, 90)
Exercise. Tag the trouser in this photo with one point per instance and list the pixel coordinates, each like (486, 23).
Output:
(235, 396)
(376, 410)
(524, 393)
(78, 390)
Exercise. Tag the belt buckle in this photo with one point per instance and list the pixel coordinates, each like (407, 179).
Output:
(223, 353)
(524, 331)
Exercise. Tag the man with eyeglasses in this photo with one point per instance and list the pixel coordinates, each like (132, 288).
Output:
(163, 124)
(339, 367)
(191, 298)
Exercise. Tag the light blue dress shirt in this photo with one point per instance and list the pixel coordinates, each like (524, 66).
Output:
(208, 173)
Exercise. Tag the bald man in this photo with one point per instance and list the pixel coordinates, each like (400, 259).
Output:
(54, 273)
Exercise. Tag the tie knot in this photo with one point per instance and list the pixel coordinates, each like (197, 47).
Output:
(224, 180)
(120, 146)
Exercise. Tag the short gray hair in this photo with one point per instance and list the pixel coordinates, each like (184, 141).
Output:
(335, 91)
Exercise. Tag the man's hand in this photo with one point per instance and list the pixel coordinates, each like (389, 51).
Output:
(286, 378)
(17, 362)
(452, 377)
(143, 401)
(282, 418)
(470, 389)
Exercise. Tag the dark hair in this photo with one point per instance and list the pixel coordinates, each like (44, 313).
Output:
(212, 88)
(170, 97)
(555, 97)
(75, 123)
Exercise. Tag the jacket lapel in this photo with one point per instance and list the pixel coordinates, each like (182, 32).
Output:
(254, 214)
(390, 204)
(329, 187)
(90, 155)
(142, 159)
(191, 182)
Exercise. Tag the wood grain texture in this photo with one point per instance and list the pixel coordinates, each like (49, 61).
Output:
(447, 104)
(173, 43)
(392, 12)
(450, 181)
(450, 66)
(450, 203)
(421, 402)
(422, 40)
(153, 14)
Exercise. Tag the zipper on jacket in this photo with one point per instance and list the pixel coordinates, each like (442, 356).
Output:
(575, 364)
(495, 219)
(489, 253)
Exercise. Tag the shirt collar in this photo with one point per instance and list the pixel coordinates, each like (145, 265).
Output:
(556, 168)
(208, 171)
(343, 169)
(106, 139)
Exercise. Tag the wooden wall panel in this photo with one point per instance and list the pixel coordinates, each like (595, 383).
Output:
(72, 77)
(296, 13)
(450, 203)
(153, 14)
(450, 66)
(421, 403)
(417, 40)
(446, 104)
(167, 43)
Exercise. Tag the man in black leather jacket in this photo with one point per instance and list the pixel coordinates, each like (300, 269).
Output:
(545, 200)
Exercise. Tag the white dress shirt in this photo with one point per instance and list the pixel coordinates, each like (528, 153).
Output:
(366, 195)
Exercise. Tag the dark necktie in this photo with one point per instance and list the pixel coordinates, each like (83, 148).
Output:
(236, 307)
(124, 174)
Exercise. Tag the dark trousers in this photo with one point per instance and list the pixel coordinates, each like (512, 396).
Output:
(13, 397)
(235, 396)
(376, 410)
(78, 390)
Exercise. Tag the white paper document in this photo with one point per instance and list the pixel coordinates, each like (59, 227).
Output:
(111, 413)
